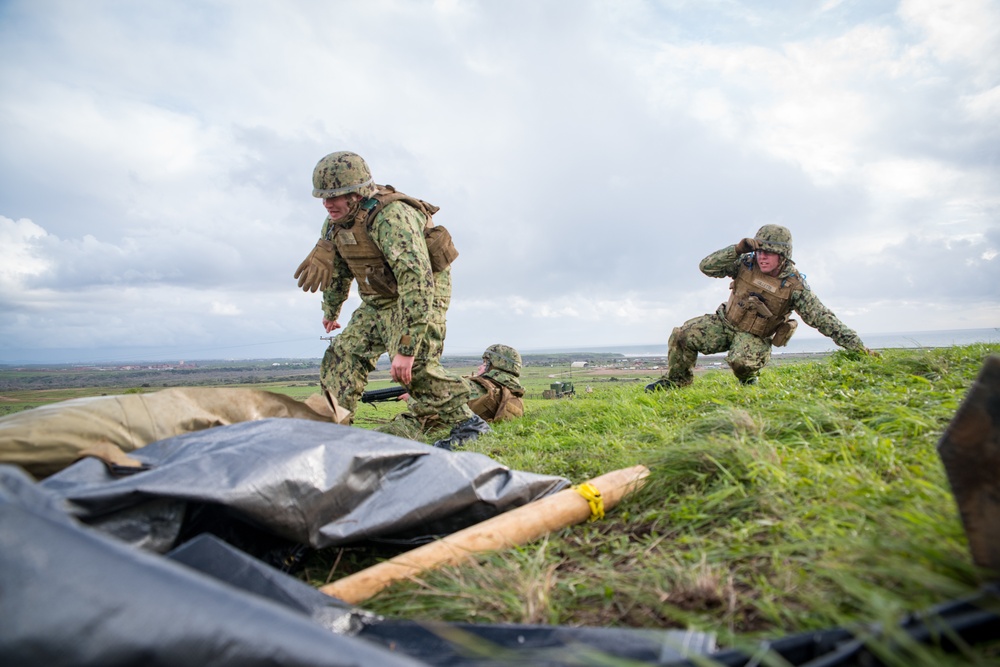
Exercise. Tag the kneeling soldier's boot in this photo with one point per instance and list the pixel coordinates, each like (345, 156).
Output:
(464, 432)
(661, 385)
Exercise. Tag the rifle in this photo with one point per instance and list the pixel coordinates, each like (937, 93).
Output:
(379, 395)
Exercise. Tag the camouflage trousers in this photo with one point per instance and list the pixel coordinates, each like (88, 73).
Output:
(353, 353)
(711, 334)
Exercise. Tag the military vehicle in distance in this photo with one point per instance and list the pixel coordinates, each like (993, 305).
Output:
(559, 390)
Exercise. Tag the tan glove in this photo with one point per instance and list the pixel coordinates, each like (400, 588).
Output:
(316, 270)
(871, 353)
(746, 245)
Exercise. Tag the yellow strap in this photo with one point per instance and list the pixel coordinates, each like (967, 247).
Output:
(593, 497)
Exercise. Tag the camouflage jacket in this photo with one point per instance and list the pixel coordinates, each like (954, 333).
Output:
(726, 263)
(506, 379)
(398, 231)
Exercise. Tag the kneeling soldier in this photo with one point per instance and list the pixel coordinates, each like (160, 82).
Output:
(766, 288)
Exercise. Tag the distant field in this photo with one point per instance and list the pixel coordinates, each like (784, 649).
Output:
(22, 388)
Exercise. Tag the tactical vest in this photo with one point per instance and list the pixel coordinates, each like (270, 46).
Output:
(498, 403)
(759, 304)
(365, 260)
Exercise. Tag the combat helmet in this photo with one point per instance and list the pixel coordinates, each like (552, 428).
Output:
(776, 239)
(340, 173)
(503, 358)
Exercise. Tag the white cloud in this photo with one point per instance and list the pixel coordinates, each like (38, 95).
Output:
(225, 309)
(966, 31)
(19, 256)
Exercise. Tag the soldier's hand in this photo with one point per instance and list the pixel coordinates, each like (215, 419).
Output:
(746, 245)
(871, 353)
(316, 270)
(402, 369)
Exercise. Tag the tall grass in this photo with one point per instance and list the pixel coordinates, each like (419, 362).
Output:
(814, 499)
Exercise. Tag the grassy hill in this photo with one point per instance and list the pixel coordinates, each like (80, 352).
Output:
(812, 500)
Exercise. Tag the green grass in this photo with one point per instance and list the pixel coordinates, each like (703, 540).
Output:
(812, 500)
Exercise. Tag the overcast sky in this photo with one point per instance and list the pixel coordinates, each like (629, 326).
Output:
(156, 162)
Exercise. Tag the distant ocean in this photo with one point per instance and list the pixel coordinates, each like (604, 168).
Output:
(812, 343)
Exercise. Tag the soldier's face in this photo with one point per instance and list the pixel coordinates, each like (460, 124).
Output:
(483, 367)
(338, 207)
(769, 262)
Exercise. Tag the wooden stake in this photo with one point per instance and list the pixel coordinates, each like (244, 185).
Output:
(518, 526)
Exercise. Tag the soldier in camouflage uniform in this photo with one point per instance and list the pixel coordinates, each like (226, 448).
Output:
(766, 288)
(387, 242)
(497, 394)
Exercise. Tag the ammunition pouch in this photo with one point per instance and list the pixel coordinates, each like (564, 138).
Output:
(381, 280)
(752, 316)
(440, 247)
(760, 304)
(784, 332)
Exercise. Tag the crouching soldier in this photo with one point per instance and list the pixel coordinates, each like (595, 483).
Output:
(766, 288)
(497, 393)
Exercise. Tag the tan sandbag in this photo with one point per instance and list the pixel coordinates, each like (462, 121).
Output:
(515, 527)
(46, 439)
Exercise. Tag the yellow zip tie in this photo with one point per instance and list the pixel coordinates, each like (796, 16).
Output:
(593, 497)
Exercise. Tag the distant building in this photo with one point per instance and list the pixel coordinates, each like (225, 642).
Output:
(578, 364)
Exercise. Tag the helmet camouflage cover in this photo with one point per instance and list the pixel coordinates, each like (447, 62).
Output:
(504, 358)
(341, 173)
(776, 239)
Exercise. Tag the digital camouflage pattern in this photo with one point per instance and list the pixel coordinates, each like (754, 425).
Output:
(398, 232)
(504, 378)
(341, 173)
(504, 358)
(412, 324)
(776, 239)
(747, 353)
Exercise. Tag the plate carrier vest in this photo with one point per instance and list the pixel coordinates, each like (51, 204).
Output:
(365, 260)
(498, 403)
(760, 304)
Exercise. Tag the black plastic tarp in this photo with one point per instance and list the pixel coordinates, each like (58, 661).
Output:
(71, 596)
(312, 483)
